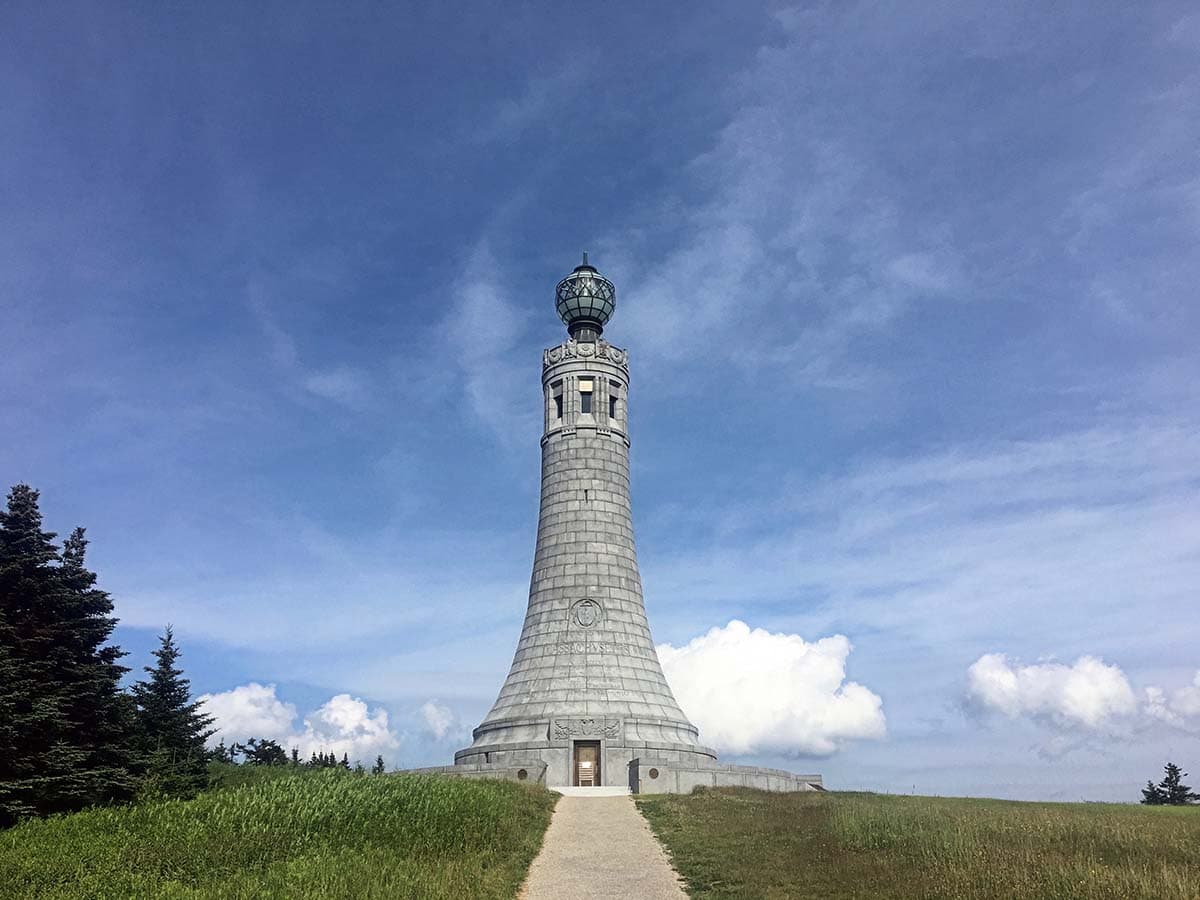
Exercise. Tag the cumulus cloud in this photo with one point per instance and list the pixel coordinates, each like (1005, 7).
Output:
(249, 710)
(342, 725)
(1180, 708)
(751, 691)
(438, 719)
(1088, 694)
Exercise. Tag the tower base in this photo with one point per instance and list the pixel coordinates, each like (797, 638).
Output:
(640, 770)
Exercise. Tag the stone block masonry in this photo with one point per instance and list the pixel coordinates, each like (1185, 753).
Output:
(585, 667)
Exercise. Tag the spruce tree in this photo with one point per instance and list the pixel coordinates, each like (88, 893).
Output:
(172, 727)
(1171, 791)
(1175, 792)
(64, 724)
(346, 761)
(104, 713)
(377, 769)
(263, 752)
(1151, 795)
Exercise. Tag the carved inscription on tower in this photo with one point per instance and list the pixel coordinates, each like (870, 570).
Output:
(583, 728)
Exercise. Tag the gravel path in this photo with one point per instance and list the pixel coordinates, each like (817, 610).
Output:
(600, 847)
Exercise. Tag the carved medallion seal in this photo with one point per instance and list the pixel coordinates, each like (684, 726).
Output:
(586, 613)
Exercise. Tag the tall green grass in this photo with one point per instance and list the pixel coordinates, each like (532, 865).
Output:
(319, 835)
(984, 849)
(745, 844)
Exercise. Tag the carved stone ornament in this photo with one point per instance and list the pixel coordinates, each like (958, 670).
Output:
(565, 729)
(572, 349)
(586, 613)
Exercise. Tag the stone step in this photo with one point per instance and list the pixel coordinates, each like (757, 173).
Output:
(602, 791)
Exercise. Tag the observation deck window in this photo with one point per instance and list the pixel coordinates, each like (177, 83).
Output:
(585, 396)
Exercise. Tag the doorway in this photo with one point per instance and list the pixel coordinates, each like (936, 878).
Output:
(586, 767)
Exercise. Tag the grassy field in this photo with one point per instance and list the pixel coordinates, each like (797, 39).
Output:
(320, 835)
(741, 843)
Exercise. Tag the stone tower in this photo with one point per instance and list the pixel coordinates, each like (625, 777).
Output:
(585, 702)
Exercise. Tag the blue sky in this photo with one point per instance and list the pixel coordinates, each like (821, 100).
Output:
(909, 291)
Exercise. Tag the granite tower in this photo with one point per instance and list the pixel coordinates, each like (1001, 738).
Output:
(585, 703)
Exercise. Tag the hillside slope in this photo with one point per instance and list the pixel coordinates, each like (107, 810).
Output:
(735, 843)
(319, 835)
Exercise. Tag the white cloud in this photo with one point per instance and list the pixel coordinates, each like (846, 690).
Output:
(751, 691)
(1089, 694)
(249, 710)
(1180, 708)
(343, 725)
(439, 719)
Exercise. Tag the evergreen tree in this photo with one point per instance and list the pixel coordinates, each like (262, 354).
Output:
(263, 752)
(295, 757)
(105, 713)
(377, 769)
(173, 729)
(1171, 791)
(16, 771)
(1151, 795)
(313, 761)
(221, 753)
(64, 724)
(346, 761)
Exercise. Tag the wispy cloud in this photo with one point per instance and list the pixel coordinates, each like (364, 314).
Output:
(542, 97)
(1179, 707)
(1067, 544)
(844, 195)
(480, 331)
(345, 385)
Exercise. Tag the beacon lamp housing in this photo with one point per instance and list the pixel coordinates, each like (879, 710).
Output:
(585, 301)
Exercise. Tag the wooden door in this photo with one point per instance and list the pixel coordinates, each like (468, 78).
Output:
(587, 764)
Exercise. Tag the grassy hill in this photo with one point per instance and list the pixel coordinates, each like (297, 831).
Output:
(330, 834)
(319, 834)
(747, 844)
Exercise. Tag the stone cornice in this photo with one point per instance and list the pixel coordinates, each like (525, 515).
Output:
(585, 350)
